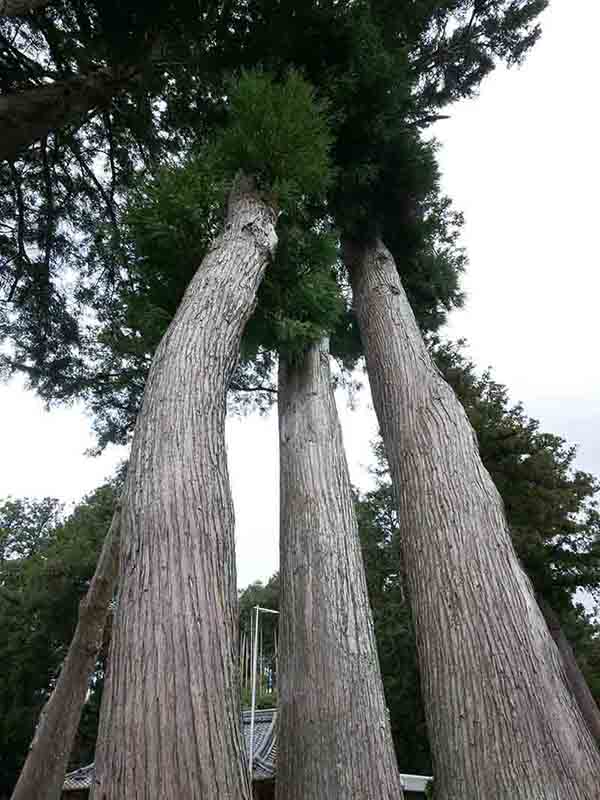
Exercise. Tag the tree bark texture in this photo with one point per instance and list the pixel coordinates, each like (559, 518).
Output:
(30, 115)
(44, 770)
(502, 722)
(170, 724)
(334, 735)
(19, 8)
(577, 682)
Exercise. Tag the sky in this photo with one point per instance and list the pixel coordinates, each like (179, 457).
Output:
(522, 162)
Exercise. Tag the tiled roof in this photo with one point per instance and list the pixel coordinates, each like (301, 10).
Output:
(265, 752)
(79, 779)
(264, 756)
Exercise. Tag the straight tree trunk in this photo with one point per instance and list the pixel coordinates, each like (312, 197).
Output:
(30, 115)
(44, 770)
(577, 682)
(170, 718)
(334, 734)
(19, 8)
(502, 722)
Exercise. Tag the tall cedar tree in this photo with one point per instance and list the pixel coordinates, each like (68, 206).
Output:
(485, 652)
(330, 690)
(176, 605)
(551, 510)
(173, 660)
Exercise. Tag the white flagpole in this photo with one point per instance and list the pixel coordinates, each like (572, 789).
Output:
(253, 706)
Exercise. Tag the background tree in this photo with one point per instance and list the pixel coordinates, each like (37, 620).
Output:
(265, 596)
(394, 633)
(40, 590)
(44, 770)
(25, 526)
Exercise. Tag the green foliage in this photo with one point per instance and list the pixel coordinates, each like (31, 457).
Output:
(278, 133)
(299, 300)
(381, 69)
(422, 230)
(170, 220)
(42, 579)
(168, 223)
(258, 594)
(263, 700)
(393, 628)
(265, 596)
(25, 526)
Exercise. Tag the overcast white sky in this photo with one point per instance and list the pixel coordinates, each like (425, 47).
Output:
(522, 162)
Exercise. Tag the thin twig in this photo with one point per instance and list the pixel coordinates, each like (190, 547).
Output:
(74, 147)
(22, 253)
(50, 207)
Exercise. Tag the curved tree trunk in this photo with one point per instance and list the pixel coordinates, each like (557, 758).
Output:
(170, 718)
(28, 116)
(334, 734)
(502, 722)
(44, 770)
(577, 682)
(19, 8)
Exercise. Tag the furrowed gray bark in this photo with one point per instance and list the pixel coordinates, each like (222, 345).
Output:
(577, 682)
(44, 770)
(170, 717)
(28, 116)
(19, 8)
(334, 734)
(502, 722)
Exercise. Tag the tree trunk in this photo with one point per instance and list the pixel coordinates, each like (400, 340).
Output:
(170, 718)
(28, 116)
(334, 733)
(44, 770)
(578, 684)
(19, 8)
(502, 722)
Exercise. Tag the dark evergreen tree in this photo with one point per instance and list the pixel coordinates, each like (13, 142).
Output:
(385, 70)
(47, 569)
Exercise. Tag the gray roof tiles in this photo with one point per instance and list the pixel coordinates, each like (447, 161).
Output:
(264, 756)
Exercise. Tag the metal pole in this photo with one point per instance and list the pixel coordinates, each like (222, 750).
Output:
(258, 609)
(253, 706)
